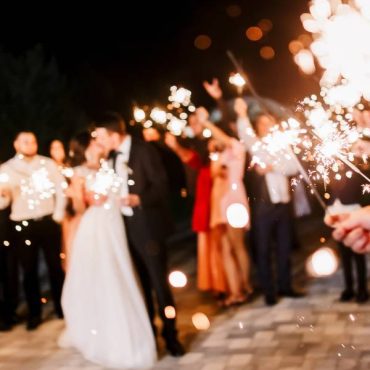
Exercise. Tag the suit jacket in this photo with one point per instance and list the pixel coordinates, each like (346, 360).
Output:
(147, 178)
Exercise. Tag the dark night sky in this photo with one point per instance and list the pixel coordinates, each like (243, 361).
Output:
(146, 47)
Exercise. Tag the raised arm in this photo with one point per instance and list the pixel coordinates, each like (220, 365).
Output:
(217, 133)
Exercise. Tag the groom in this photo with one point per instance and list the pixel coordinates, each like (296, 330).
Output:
(144, 213)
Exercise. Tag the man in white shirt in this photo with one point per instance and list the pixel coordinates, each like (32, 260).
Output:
(269, 191)
(33, 187)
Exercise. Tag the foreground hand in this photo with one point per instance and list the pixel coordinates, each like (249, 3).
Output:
(352, 229)
(132, 200)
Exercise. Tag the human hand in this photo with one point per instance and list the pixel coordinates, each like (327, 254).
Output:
(213, 89)
(170, 140)
(240, 107)
(131, 200)
(202, 115)
(352, 229)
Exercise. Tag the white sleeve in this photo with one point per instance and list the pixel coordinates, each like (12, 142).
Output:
(246, 133)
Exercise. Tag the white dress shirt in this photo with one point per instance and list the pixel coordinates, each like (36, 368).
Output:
(36, 188)
(277, 180)
(122, 170)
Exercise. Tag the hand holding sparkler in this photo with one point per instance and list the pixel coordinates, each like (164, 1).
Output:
(352, 229)
(241, 107)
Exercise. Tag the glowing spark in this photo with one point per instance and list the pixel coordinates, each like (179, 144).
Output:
(139, 114)
(365, 188)
(237, 215)
(237, 80)
(201, 321)
(323, 262)
(178, 279)
(170, 312)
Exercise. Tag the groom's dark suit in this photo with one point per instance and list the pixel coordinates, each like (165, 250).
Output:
(148, 228)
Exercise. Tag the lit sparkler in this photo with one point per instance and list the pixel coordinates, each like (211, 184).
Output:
(37, 187)
(104, 182)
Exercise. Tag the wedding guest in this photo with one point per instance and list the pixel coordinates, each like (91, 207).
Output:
(210, 271)
(227, 171)
(58, 153)
(270, 206)
(9, 275)
(34, 191)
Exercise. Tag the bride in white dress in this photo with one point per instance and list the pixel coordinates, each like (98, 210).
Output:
(105, 314)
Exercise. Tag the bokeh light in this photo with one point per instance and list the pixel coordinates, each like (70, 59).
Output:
(267, 52)
(265, 25)
(237, 215)
(202, 42)
(233, 10)
(201, 321)
(254, 33)
(323, 262)
(178, 279)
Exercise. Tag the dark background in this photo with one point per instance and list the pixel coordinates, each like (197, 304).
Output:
(109, 56)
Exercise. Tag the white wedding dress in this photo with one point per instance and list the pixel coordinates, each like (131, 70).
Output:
(105, 314)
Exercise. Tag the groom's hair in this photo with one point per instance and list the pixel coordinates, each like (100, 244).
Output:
(111, 121)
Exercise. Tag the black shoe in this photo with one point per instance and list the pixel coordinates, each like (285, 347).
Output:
(33, 323)
(362, 297)
(175, 348)
(5, 326)
(291, 294)
(270, 300)
(346, 296)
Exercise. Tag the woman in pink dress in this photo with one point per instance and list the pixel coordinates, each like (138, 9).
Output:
(210, 271)
(228, 193)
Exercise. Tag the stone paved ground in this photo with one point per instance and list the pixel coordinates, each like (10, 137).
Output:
(316, 332)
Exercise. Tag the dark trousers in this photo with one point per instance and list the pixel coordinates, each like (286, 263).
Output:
(9, 280)
(30, 236)
(150, 259)
(349, 257)
(272, 224)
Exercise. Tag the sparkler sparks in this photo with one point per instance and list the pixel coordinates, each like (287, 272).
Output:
(104, 182)
(37, 187)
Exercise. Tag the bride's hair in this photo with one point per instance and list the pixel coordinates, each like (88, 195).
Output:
(77, 148)
(112, 121)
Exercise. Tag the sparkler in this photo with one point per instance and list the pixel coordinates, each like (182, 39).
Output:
(238, 81)
(172, 119)
(37, 187)
(293, 123)
(104, 182)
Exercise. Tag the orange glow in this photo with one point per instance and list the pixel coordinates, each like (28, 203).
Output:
(295, 46)
(267, 52)
(305, 39)
(201, 321)
(265, 25)
(202, 42)
(170, 312)
(233, 11)
(254, 33)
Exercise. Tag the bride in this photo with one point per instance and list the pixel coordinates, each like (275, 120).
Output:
(105, 314)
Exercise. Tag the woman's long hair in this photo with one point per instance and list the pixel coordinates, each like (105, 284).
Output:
(77, 148)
